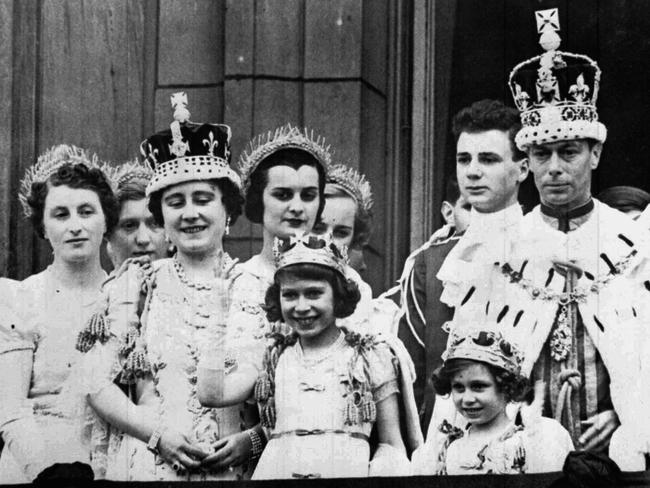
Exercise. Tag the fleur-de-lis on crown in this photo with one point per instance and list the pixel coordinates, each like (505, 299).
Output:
(521, 97)
(211, 144)
(150, 155)
(580, 90)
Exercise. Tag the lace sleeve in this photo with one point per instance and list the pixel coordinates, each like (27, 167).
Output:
(383, 372)
(245, 340)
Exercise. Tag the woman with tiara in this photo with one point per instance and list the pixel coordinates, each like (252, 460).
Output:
(347, 216)
(137, 233)
(147, 339)
(283, 177)
(348, 219)
(71, 205)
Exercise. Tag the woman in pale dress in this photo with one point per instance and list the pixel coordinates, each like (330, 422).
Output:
(347, 216)
(157, 317)
(71, 205)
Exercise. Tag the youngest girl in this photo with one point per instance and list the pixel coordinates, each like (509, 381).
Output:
(320, 388)
(481, 372)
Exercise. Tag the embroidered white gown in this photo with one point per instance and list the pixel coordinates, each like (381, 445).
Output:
(538, 447)
(310, 438)
(45, 319)
(172, 336)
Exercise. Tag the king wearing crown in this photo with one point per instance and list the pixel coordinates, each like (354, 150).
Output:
(573, 286)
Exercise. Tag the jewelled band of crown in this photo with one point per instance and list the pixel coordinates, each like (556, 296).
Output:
(47, 164)
(123, 174)
(285, 137)
(353, 183)
(300, 252)
(561, 110)
(499, 352)
(177, 171)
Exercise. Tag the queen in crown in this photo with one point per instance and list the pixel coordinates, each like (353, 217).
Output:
(146, 338)
(482, 375)
(320, 388)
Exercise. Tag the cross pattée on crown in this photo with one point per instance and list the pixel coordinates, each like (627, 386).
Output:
(179, 99)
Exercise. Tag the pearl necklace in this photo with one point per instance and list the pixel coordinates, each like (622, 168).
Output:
(203, 305)
(180, 271)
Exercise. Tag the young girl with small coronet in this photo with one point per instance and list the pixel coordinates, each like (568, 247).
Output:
(320, 388)
(481, 373)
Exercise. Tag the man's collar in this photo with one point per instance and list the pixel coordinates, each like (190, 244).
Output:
(564, 217)
(501, 218)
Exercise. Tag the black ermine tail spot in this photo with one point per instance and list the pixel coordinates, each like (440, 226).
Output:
(634, 311)
(647, 284)
(551, 272)
(487, 308)
(626, 240)
(523, 267)
(599, 324)
(502, 313)
(605, 258)
(518, 318)
(468, 296)
(589, 276)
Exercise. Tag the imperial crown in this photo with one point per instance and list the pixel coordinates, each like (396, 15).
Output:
(486, 346)
(309, 249)
(188, 151)
(556, 91)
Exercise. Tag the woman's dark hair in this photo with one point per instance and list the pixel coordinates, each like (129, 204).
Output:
(513, 386)
(363, 219)
(346, 292)
(77, 176)
(132, 190)
(625, 198)
(231, 198)
(294, 158)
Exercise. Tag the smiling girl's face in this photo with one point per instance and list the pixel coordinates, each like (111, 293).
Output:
(477, 396)
(308, 308)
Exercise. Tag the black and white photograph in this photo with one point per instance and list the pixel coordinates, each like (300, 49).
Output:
(359, 243)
